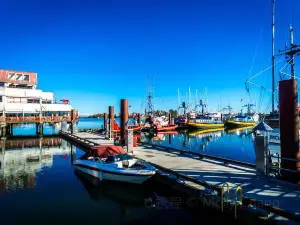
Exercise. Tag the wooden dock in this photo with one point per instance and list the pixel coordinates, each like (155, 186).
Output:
(280, 198)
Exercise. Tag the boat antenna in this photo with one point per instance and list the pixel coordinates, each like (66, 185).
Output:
(190, 105)
(153, 92)
(273, 55)
(292, 55)
(178, 100)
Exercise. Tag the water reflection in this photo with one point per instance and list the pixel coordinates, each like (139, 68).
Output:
(230, 143)
(21, 159)
(129, 197)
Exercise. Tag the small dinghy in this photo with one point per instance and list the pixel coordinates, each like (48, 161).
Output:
(111, 162)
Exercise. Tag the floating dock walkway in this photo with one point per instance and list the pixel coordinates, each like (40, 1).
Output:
(202, 175)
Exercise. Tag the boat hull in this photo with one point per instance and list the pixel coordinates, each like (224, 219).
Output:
(92, 169)
(166, 128)
(154, 129)
(134, 128)
(234, 124)
(194, 125)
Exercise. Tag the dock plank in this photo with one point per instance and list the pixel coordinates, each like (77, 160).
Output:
(275, 193)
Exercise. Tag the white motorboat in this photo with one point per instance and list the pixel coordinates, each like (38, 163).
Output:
(113, 163)
(274, 137)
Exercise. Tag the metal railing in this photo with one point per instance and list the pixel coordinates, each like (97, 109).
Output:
(34, 119)
(278, 167)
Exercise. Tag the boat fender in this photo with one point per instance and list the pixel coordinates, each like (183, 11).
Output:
(154, 127)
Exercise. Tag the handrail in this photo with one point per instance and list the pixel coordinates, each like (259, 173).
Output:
(239, 188)
(279, 168)
(222, 195)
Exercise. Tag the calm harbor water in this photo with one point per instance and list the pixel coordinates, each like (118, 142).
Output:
(234, 144)
(39, 185)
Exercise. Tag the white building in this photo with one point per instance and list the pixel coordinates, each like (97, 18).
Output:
(19, 96)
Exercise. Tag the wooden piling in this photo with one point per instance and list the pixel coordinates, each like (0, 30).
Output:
(73, 114)
(104, 121)
(124, 117)
(139, 119)
(11, 129)
(170, 118)
(289, 128)
(111, 118)
(3, 131)
(41, 129)
(37, 128)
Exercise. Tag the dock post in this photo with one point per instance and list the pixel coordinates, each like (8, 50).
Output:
(73, 118)
(8, 129)
(3, 140)
(37, 128)
(41, 128)
(11, 129)
(104, 121)
(124, 117)
(139, 119)
(289, 129)
(3, 131)
(111, 121)
(170, 118)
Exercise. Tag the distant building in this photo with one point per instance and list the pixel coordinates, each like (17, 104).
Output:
(19, 96)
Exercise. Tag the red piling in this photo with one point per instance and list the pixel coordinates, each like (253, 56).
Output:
(289, 128)
(124, 117)
(111, 116)
(104, 121)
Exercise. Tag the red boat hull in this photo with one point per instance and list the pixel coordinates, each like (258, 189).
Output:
(166, 128)
(134, 128)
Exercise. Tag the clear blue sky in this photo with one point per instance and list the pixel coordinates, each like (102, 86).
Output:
(97, 52)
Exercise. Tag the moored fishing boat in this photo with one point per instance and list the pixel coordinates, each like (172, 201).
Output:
(158, 124)
(242, 121)
(207, 121)
(113, 163)
(117, 129)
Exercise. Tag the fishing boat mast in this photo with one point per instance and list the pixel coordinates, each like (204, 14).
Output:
(273, 55)
(290, 53)
(178, 101)
(150, 99)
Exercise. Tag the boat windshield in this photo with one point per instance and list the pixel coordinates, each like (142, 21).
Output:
(203, 118)
(118, 158)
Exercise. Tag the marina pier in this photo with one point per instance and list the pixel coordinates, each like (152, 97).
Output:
(201, 175)
(150, 112)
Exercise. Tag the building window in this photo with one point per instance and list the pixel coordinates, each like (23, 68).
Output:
(0, 98)
(33, 100)
(19, 76)
(26, 77)
(11, 76)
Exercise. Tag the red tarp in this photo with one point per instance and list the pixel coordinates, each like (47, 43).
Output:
(66, 101)
(107, 150)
